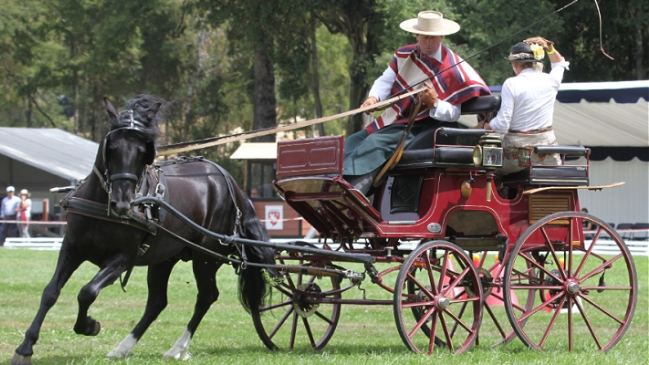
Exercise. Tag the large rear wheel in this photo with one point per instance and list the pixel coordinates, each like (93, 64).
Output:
(586, 298)
(441, 287)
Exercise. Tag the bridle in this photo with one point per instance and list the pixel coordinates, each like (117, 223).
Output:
(106, 179)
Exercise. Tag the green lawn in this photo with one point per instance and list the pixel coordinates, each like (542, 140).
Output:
(365, 335)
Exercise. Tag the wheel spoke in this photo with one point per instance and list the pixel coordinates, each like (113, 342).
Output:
(431, 340)
(449, 341)
(539, 307)
(540, 267)
(570, 344)
(600, 268)
(494, 319)
(453, 284)
(317, 313)
(293, 330)
(554, 254)
(421, 286)
(421, 322)
(459, 321)
(551, 324)
(442, 275)
(588, 324)
(281, 322)
(305, 321)
(602, 309)
(588, 252)
(274, 306)
(429, 270)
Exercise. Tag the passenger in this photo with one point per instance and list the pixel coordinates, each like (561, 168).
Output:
(525, 115)
(366, 151)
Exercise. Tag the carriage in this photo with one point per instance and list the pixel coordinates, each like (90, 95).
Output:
(427, 238)
(433, 220)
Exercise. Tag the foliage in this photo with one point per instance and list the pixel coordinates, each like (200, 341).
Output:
(228, 65)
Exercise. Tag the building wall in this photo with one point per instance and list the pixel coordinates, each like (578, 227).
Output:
(628, 203)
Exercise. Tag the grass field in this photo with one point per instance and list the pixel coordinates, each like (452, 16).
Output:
(365, 335)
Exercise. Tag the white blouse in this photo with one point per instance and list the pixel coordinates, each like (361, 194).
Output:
(528, 100)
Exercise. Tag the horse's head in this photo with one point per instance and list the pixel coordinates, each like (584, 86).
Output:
(127, 148)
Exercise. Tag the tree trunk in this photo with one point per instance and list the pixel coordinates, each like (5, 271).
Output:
(315, 78)
(265, 103)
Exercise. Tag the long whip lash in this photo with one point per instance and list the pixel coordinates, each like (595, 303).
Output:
(213, 141)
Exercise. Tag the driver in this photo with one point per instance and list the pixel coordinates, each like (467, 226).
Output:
(366, 151)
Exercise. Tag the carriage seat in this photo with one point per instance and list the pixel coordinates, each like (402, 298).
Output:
(420, 153)
(481, 104)
(564, 175)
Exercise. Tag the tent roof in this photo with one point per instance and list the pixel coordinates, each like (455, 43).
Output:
(52, 150)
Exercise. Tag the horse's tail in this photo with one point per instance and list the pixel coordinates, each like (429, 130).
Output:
(253, 288)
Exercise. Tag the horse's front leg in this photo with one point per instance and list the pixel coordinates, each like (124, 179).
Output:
(205, 274)
(65, 266)
(157, 283)
(85, 324)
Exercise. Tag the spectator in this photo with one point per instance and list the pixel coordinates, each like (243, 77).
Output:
(587, 226)
(8, 213)
(24, 212)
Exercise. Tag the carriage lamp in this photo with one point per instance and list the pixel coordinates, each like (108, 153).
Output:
(489, 153)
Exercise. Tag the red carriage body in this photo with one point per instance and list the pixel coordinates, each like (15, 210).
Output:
(444, 200)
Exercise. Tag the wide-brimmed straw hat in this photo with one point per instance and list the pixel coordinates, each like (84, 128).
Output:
(522, 52)
(430, 23)
(25, 192)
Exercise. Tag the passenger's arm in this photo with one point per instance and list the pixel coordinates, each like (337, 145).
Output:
(502, 121)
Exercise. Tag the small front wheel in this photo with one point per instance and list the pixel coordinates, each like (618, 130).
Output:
(441, 287)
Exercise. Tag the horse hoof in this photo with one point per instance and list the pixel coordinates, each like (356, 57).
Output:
(21, 360)
(96, 330)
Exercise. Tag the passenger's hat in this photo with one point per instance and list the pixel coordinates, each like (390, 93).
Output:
(430, 23)
(523, 52)
(10, 188)
(25, 192)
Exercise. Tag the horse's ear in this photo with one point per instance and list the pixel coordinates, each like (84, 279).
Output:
(152, 111)
(109, 108)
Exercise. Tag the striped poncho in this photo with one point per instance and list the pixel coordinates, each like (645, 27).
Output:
(455, 85)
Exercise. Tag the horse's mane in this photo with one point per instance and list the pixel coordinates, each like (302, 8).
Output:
(141, 106)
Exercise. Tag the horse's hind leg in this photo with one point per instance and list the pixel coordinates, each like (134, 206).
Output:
(65, 266)
(157, 282)
(205, 275)
(85, 324)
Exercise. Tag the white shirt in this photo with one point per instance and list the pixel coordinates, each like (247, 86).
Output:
(444, 112)
(528, 100)
(9, 206)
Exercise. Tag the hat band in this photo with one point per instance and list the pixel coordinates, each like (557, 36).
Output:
(521, 56)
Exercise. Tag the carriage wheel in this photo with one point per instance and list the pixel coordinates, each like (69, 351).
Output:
(494, 329)
(299, 313)
(586, 294)
(441, 279)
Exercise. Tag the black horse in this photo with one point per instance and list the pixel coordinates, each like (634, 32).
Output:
(99, 231)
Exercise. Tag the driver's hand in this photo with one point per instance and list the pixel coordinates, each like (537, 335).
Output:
(428, 96)
(370, 101)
